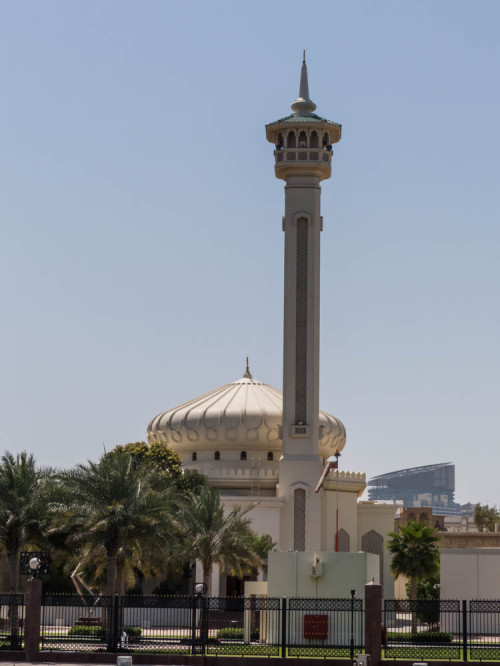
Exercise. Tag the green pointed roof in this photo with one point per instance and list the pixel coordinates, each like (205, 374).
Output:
(303, 118)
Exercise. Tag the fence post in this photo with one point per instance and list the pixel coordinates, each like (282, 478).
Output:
(114, 624)
(32, 619)
(464, 628)
(283, 628)
(373, 622)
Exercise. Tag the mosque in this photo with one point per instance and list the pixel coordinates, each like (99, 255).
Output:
(263, 449)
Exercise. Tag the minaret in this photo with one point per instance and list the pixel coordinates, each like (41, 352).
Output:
(303, 157)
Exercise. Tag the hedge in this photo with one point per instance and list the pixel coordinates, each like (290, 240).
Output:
(422, 637)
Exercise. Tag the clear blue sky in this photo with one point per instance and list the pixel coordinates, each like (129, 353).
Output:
(141, 254)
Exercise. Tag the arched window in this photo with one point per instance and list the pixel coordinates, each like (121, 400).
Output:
(270, 455)
(292, 140)
(243, 455)
(326, 139)
(314, 139)
(373, 542)
(194, 456)
(279, 141)
(217, 455)
(344, 541)
(302, 140)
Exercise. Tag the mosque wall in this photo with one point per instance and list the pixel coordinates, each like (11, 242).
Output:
(375, 521)
(347, 517)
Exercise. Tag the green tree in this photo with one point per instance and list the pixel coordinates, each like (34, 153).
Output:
(414, 555)
(262, 545)
(115, 512)
(23, 507)
(213, 537)
(485, 517)
(163, 458)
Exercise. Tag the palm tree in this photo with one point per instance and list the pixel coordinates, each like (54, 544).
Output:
(208, 535)
(414, 555)
(115, 510)
(23, 507)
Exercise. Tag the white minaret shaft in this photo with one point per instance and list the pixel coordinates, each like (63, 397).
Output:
(303, 159)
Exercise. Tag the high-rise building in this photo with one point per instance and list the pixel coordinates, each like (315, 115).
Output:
(430, 485)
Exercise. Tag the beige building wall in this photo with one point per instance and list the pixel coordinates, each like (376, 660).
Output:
(291, 574)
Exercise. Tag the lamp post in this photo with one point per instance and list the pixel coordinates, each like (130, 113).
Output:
(337, 456)
(199, 617)
(353, 594)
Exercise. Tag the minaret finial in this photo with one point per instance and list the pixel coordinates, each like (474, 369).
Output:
(303, 105)
(248, 374)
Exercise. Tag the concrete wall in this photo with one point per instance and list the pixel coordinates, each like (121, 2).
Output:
(470, 573)
(290, 574)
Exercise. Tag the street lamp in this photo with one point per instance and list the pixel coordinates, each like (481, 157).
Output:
(34, 564)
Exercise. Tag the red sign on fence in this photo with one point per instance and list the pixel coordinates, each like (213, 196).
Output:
(316, 626)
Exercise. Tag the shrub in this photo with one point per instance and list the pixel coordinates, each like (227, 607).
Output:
(422, 637)
(133, 632)
(84, 630)
(236, 633)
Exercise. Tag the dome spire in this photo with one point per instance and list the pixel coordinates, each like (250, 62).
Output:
(248, 374)
(303, 104)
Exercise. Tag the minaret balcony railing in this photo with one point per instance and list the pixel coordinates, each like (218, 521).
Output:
(311, 155)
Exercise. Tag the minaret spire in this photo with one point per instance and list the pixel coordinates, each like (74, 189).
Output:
(303, 105)
(248, 374)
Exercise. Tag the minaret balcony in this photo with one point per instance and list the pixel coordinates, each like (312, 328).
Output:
(311, 161)
(315, 155)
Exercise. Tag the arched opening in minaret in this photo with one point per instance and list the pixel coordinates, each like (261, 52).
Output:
(302, 140)
(314, 139)
(299, 519)
(270, 456)
(243, 455)
(279, 141)
(326, 139)
(291, 140)
(194, 456)
(217, 455)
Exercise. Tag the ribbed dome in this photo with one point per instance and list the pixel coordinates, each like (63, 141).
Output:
(245, 412)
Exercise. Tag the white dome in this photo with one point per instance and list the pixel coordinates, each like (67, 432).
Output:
(245, 413)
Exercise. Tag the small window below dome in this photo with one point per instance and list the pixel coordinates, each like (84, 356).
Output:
(217, 455)
(270, 455)
(243, 455)
(194, 456)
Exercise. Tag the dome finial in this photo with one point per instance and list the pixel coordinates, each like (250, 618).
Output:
(248, 374)
(303, 104)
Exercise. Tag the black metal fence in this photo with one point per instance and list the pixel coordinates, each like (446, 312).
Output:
(249, 626)
(324, 628)
(11, 621)
(423, 630)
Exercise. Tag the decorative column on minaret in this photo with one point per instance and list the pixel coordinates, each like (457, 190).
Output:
(303, 157)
